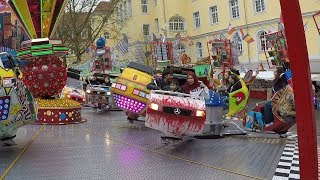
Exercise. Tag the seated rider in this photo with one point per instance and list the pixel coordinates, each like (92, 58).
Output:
(164, 82)
(234, 83)
(107, 82)
(192, 85)
(278, 83)
(174, 86)
(94, 80)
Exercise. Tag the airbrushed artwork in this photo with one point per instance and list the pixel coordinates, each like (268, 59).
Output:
(176, 116)
(17, 105)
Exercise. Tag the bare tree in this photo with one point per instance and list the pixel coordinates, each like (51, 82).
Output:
(82, 23)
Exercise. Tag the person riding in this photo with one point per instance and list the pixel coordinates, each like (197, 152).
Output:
(107, 82)
(174, 86)
(192, 84)
(164, 82)
(278, 83)
(316, 87)
(234, 83)
(94, 80)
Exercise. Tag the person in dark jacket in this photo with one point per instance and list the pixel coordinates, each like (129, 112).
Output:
(234, 83)
(94, 80)
(278, 83)
(316, 87)
(164, 82)
(106, 82)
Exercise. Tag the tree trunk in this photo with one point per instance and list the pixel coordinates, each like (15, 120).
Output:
(78, 58)
(64, 58)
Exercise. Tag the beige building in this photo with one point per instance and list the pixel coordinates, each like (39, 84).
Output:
(201, 19)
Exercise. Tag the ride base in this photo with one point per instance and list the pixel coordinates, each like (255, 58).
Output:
(58, 112)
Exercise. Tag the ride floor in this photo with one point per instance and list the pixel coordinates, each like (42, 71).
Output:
(108, 147)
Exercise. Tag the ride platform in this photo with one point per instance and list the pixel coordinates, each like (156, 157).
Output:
(58, 111)
(108, 147)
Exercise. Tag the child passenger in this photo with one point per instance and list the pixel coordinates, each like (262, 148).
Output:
(174, 86)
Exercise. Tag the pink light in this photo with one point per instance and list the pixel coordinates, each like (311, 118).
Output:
(135, 92)
(118, 86)
(123, 87)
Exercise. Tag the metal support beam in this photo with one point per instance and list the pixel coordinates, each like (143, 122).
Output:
(299, 63)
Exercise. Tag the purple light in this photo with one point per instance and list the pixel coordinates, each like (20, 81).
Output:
(128, 103)
(129, 156)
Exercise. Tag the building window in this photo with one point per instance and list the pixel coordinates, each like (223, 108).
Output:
(125, 9)
(259, 5)
(144, 6)
(181, 49)
(234, 9)
(176, 23)
(199, 50)
(129, 8)
(155, 2)
(196, 19)
(213, 14)
(156, 24)
(146, 29)
(263, 41)
(236, 41)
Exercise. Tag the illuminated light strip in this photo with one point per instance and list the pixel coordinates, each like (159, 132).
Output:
(25, 16)
(23, 52)
(60, 48)
(46, 47)
(119, 86)
(41, 46)
(139, 92)
(41, 53)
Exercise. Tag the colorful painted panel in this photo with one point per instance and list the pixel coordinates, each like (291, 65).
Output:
(17, 106)
(21, 7)
(34, 9)
(238, 99)
(176, 116)
(4, 107)
(283, 103)
(38, 17)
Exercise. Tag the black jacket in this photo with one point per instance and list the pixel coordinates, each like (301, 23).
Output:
(279, 83)
(161, 84)
(234, 87)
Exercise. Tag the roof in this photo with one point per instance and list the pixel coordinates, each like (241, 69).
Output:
(103, 6)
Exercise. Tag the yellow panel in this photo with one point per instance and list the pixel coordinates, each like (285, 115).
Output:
(47, 11)
(23, 10)
(136, 76)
